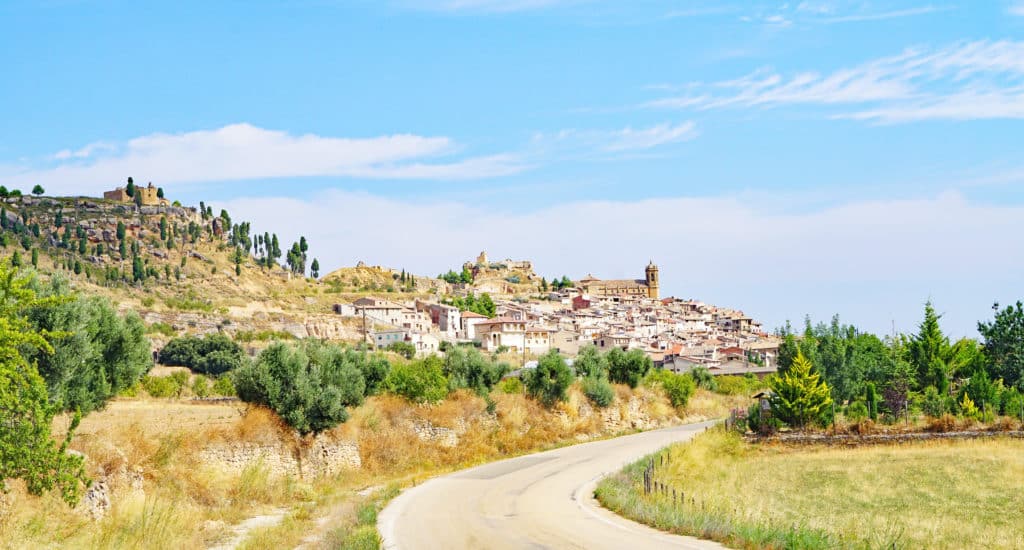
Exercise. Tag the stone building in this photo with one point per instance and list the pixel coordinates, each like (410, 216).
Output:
(148, 196)
(649, 287)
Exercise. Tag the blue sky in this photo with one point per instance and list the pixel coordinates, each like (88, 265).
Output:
(851, 157)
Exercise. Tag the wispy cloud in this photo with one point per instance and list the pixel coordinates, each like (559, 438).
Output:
(629, 139)
(1016, 8)
(879, 16)
(963, 81)
(246, 152)
(573, 143)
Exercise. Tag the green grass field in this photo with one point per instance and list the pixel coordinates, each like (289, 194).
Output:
(956, 494)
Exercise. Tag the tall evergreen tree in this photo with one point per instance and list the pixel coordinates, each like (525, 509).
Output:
(800, 396)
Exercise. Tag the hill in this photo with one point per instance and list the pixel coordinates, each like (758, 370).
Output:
(184, 269)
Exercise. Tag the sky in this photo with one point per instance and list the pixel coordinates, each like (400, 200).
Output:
(784, 158)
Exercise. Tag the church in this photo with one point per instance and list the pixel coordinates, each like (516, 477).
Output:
(641, 288)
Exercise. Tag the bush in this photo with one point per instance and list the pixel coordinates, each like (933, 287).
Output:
(590, 363)
(405, 349)
(628, 367)
(550, 380)
(932, 404)
(704, 379)
(856, 412)
(224, 387)
(201, 387)
(598, 391)
(309, 386)
(213, 354)
(760, 423)
(468, 368)
(511, 386)
(679, 388)
(420, 381)
(738, 385)
(162, 386)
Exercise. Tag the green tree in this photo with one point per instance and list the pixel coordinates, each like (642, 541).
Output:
(800, 396)
(549, 382)
(35, 257)
(927, 351)
(38, 190)
(130, 189)
(420, 381)
(308, 386)
(159, 192)
(628, 367)
(468, 368)
(27, 449)
(1004, 344)
(121, 229)
(95, 354)
(315, 268)
(591, 363)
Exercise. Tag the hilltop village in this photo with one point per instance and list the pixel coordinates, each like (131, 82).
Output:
(198, 272)
(628, 314)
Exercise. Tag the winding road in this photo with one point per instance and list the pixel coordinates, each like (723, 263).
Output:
(543, 500)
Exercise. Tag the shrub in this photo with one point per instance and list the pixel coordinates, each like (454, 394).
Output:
(677, 387)
(511, 386)
(704, 379)
(760, 423)
(738, 385)
(405, 349)
(1013, 403)
(628, 367)
(550, 380)
(598, 391)
(161, 328)
(944, 423)
(468, 368)
(420, 381)
(309, 386)
(213, 354)
(856, 412)
(224, 387)
(932, 404)
(201, 387)
(161, 386)
(591, 363)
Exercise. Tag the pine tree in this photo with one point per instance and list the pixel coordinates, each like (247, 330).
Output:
(315, 268)
(800, 395)
(928, 352)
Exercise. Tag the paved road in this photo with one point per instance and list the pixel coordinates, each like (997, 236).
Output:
(543, 500)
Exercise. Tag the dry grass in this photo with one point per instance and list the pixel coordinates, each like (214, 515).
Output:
(186, 504)
(950, 494)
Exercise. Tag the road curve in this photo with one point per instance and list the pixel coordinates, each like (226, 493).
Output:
(543, 500)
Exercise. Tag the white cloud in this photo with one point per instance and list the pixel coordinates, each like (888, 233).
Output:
(629, 139)
(572, 143)
(963, 81)
(734, 249)
(1016, 8)
(879, 16)
(245, 152)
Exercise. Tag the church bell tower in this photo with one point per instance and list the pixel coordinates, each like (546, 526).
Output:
(652, 281)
